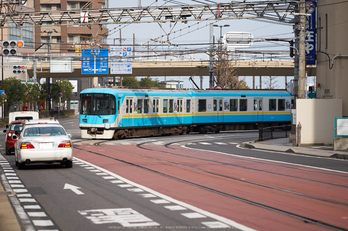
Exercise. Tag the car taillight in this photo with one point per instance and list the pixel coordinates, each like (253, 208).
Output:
(65, 144)
(26, 145)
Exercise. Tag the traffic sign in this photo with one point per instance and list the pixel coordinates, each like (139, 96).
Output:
(120, 60)
(95, 61)
(60, 95)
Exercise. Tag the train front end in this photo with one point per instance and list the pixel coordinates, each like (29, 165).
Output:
(98, 113)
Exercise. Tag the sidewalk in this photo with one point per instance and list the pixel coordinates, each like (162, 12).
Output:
(283, 145)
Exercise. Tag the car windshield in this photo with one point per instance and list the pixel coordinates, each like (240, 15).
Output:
(44, 131)
(16, 127)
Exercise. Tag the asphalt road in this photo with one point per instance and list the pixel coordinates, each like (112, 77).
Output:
(152, 183)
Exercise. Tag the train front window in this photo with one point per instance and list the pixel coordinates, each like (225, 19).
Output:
(98, 104)
(86, 104)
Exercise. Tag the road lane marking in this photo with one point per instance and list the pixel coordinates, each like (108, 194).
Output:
(219, 221)
(73, 188)
(126, 217)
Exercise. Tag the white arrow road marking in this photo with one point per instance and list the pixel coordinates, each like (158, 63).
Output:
(73, 188)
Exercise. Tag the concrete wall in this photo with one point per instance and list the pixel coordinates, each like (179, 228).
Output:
(317, 118)
(332, 81)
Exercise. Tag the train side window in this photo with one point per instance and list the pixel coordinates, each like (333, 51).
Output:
(255, 104)
(118, 106)
(215, 105)
(180, 105)
(233, 104)
(140, 105)
(202, 105)
(281, 104)
(272, 104)
(171, 106)
(146, 106)
(165, 105)
(220, 105)
(112, 104)
(243, 105)
(127, 105)
(155, 105)
(188, 105)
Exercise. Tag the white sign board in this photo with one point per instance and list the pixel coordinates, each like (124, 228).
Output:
(238, 39)
(61, 65)
(120, 60)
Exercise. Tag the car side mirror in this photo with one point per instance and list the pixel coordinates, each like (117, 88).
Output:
(69, 135)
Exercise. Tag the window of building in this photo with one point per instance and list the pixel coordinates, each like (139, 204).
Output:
(14, 32)
(281, 104)
(202, 105)
(233, 104)
(28, 35)
(243, 105)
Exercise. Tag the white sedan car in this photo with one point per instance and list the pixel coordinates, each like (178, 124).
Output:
(43, 141)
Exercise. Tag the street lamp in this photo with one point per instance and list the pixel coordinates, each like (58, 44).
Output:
(221, 26)
(50, 41)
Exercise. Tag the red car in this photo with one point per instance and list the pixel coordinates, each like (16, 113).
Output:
(14, 128)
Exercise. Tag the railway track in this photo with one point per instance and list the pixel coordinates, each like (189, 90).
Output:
(169, 149)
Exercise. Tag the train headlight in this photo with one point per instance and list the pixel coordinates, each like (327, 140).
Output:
(107, 126)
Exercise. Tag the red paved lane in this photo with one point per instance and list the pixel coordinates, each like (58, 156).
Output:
(288, 177)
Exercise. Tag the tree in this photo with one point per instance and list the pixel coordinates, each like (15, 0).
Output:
(65, 88)
(14, 90)
(226, 73)
(271, 83)
(130, 82)
(147, 82)
(33, 93)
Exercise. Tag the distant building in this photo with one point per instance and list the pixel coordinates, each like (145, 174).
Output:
(175, 84)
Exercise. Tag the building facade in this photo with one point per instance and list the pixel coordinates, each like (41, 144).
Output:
(332, 51)
(68, 38)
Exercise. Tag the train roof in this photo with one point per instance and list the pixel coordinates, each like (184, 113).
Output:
(187, 93)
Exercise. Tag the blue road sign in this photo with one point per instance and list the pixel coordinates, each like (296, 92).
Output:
(94, 61)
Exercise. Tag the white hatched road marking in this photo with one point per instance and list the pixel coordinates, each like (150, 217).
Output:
(11, 182)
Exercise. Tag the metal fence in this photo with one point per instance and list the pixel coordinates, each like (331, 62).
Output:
(274, 132)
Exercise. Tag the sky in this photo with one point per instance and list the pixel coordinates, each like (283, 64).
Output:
(195, 35)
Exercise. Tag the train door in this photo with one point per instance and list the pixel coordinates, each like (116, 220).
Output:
(258, 109)
(218, 105)
(129, 111)
(180, 110)
(155, 110)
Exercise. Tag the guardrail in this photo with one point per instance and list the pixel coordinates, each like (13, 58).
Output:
(274, 132)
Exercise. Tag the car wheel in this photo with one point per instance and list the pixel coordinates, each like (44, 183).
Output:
(69, 164)
(21, 165)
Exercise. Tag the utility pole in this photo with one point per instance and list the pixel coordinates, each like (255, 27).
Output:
(302, 52)
(211, 58)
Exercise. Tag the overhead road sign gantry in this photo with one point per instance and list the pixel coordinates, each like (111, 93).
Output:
(95, 61)
(280, 11)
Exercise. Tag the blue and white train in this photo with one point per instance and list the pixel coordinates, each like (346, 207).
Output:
(115, 113)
